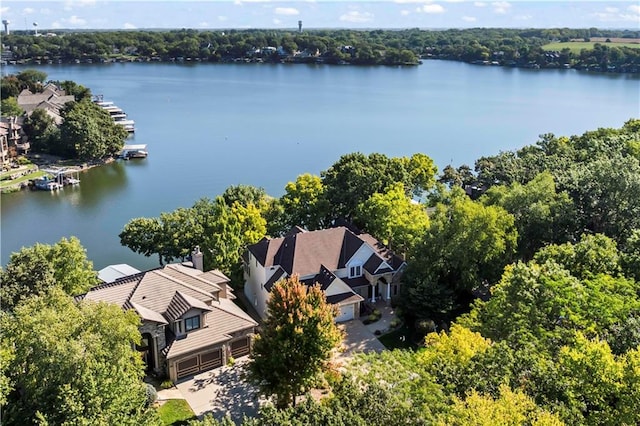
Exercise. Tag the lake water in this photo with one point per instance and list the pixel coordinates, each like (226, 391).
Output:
(208, 126)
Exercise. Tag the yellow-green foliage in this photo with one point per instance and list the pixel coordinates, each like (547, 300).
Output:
(458, 346)
(511, 408)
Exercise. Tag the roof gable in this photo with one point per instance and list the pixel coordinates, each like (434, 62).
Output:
(182, 303)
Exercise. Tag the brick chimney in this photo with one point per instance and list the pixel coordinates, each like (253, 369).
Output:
(197, 259)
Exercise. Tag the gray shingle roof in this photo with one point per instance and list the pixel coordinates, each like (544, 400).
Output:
(181, 304)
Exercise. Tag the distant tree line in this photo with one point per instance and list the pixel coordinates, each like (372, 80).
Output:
(514, 47)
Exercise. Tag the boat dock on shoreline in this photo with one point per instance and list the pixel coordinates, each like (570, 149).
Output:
(117, 114)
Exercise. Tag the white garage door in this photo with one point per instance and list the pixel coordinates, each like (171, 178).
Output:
(345, 313)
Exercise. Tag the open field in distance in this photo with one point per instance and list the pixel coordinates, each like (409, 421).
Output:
(577, 46)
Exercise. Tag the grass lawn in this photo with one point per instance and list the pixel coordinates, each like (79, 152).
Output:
(175, 412)
(22, 179)
(577, 46)
(399, 339)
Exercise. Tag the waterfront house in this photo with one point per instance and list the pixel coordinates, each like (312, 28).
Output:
(51, 99)
(350, 267)
(13, 140)
(190, 323)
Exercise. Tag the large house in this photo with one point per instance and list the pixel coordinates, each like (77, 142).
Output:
(350, 267)
(52, 99)
(189, 321)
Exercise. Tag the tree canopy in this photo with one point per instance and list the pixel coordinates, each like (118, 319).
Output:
(34, 270)
(73, 363)
(295, 342)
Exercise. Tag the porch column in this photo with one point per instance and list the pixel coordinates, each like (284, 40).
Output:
(154, 343)
(373, 293)
(388, 291)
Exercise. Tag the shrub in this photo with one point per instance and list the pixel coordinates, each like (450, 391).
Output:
(377, 313)
(373, 318)
(425, 326)
(395, 322)
(152, 394)
(231, 361)
(167, 384)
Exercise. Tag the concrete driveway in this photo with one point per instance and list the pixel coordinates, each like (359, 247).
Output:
(225, 390)
(359, 338)
(222, 391)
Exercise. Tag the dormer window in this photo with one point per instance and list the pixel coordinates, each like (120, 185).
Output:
(192, 323)
(355, 271)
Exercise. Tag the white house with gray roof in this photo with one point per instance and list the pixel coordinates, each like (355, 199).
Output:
(350, 267)
(189, 321)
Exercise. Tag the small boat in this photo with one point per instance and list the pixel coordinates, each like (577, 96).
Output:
(46, 184)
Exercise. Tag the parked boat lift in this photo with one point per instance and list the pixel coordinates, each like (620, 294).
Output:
(134, 151)
(58, 179)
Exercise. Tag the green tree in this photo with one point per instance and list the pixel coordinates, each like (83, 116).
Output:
(296, 340)
(356, 177)
(630, 256)
(305, 203)
(32, 79)
(143, 235)
(463, 252)
(42, 132)
(89, 132)
(589, 257)
(542, 215)
(34, 270)
(510, 408)
(77, 90)
(544, 305)
(10, 108)
(74, 364)
(394, 218)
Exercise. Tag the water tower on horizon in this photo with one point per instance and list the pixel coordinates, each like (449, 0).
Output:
(299, 26)
(35, 28)
(6, 26)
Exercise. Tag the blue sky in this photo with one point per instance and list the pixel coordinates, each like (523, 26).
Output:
(210, 14)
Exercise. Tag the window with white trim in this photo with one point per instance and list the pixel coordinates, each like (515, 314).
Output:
(355, 271)
(192, 323)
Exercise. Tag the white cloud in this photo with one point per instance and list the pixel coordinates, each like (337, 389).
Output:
(479, 4)
(45, 11)
(431, 8)
(277, 21)
(222, 18)
(56, 24)
(129, 26)
(523, 17)
(74, 20)
(28, 10)
(612, 14)
(4, 9)
(70, 4)
(501, 7)
(412, 1)
(357, 17)
(405, 12)
(287, 11)
(203, 24)
(469, 18)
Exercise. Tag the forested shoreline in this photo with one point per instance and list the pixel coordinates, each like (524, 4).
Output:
(521, 297)
(506, 47)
